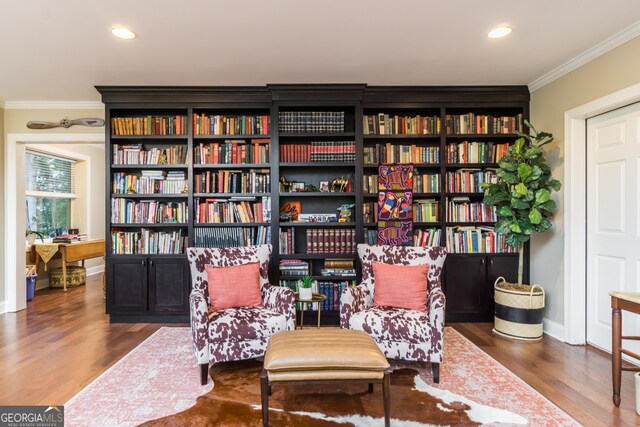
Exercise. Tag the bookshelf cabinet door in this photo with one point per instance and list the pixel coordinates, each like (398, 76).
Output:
(466, 289)
(127, 285)
(169, 285)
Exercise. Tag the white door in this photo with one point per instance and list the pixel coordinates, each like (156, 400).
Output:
(613, 214)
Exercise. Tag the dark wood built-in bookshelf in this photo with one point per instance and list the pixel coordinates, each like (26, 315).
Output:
(236, 135)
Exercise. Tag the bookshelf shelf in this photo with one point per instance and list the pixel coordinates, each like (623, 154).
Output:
(481, 135)
(141, 167)
(470, 165)
(232, 166)
(316, 194)
(149, 137)
(150, 196)
(317, 165)
(318, 256)
(433, 137)
(319, 277)
(464, 194)
(243, 136)
(153, 225)
(416, 165)
(317, 224)
(230, 224)
(337, 135)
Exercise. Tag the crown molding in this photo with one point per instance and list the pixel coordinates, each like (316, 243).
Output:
(53, 105)
(601, 48)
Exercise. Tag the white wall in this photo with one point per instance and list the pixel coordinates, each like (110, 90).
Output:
(606, 74)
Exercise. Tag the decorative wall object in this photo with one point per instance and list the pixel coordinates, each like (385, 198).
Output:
(395, 183)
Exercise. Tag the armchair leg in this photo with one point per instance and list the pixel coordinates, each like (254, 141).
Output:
(204, 373)
(435, 368)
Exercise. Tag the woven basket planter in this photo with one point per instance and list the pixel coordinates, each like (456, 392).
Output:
(76, 276)
(518, 310)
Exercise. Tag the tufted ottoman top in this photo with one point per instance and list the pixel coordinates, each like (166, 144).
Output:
(323, 354)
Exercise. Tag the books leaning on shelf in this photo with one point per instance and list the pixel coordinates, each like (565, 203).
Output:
(287, 240)
(395, 153)
(429, 237)
(331, 241)
(426, 183)
(370, 212)
(384, 124)
(311, 121)
(470, 240)
(461, 209)
(370, 184)
(232, 210)
(135, 154)
(318, 152)
(204, 124)
(223, 237)
(476, 152)
(371, 236)
(456, 124)
(232, 152)
(469, 180)
(233, 181)
(294, 267)
(125, 211)
(149, 125)
(426, 210)
(150, 182)
(147, 242)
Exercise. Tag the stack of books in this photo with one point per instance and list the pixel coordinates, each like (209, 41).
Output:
(70, 238)
(294, 267)
(311, 121)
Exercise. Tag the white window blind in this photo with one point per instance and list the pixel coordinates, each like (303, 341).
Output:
(49, 175)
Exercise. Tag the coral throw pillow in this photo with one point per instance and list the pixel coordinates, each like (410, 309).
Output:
(401, 286)
(237, 286)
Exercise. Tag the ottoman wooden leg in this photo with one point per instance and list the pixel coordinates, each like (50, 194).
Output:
(386, 396)
(264, 386)
(370, 387)
(204, 373)
(435, 368)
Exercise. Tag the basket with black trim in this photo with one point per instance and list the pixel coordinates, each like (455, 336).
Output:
(518, 310)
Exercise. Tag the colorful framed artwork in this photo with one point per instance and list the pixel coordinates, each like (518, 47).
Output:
(396, 233)
(395, 205)
(394, 177)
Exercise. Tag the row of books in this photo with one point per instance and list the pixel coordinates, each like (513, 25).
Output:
(396, 153)
(224, 237)
(472, 240)
(148, 242)
(333, 290)
(233, 181)
(232, 210)
(311, 121)
(475, 152)
(204, 124)
(456, 124)
(428, 237)
(232, 152)
(125, 211)
(385, 124)
(460, 209)
(425, 210)
(149, 182)
(426, 183)
(370, 212)
(293, 267)
(149, 125)
(318, 151)
(331, 241)
(469, 180)
(287, 241)
(135, 154)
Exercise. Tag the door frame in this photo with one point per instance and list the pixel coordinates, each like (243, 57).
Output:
(575, 204)
(14, 296)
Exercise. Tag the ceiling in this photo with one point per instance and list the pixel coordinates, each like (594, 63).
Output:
(57, 51)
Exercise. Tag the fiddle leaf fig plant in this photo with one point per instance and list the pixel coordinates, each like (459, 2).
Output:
(522, 195)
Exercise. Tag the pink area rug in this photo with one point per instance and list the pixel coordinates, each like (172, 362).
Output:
(160, 379)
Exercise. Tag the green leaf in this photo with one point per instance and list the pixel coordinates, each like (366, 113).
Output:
(518, 145)
(521, 189)
(503, 226)
(548, 206)
(506, 212)
(515, 227)
(524, 170)
(495, 199)
(508, 164)
(555, 184)
(542, 196)
(532, 153)
(508, 177)
(520, 204)
(536, 173)
(535, 216)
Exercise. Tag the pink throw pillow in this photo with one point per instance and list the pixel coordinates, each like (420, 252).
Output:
(237, 286)
(401, 286)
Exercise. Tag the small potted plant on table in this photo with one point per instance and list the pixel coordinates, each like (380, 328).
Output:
(305, 287)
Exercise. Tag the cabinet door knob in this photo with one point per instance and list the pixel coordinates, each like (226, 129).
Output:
(151, 262)
(491, 261)
(144, 262)
(482, 261)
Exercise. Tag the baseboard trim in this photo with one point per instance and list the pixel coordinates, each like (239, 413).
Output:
(553, 329)
(3, 307)
(92, 271)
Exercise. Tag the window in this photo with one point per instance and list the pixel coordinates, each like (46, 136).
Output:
(50, 190)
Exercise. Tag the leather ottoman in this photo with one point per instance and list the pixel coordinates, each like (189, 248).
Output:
(323, 356)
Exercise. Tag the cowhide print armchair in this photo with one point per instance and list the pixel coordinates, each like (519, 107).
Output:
(400, 333)
(235, 333)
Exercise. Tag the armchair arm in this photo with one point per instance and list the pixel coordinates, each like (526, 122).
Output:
(200, 326)
(352, 300)
(436, 303)
(281, 300)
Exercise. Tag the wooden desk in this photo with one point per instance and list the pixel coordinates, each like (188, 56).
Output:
(629, 301)
(72, 252)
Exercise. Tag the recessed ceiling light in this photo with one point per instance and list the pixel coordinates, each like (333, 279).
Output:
(123, 33)
(499, 32)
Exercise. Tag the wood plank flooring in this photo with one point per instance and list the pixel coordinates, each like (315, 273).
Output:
(63, 341)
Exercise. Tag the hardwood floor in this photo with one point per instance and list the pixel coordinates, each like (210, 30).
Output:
(63, 341)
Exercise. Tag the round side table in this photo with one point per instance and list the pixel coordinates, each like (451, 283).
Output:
(317, 297)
